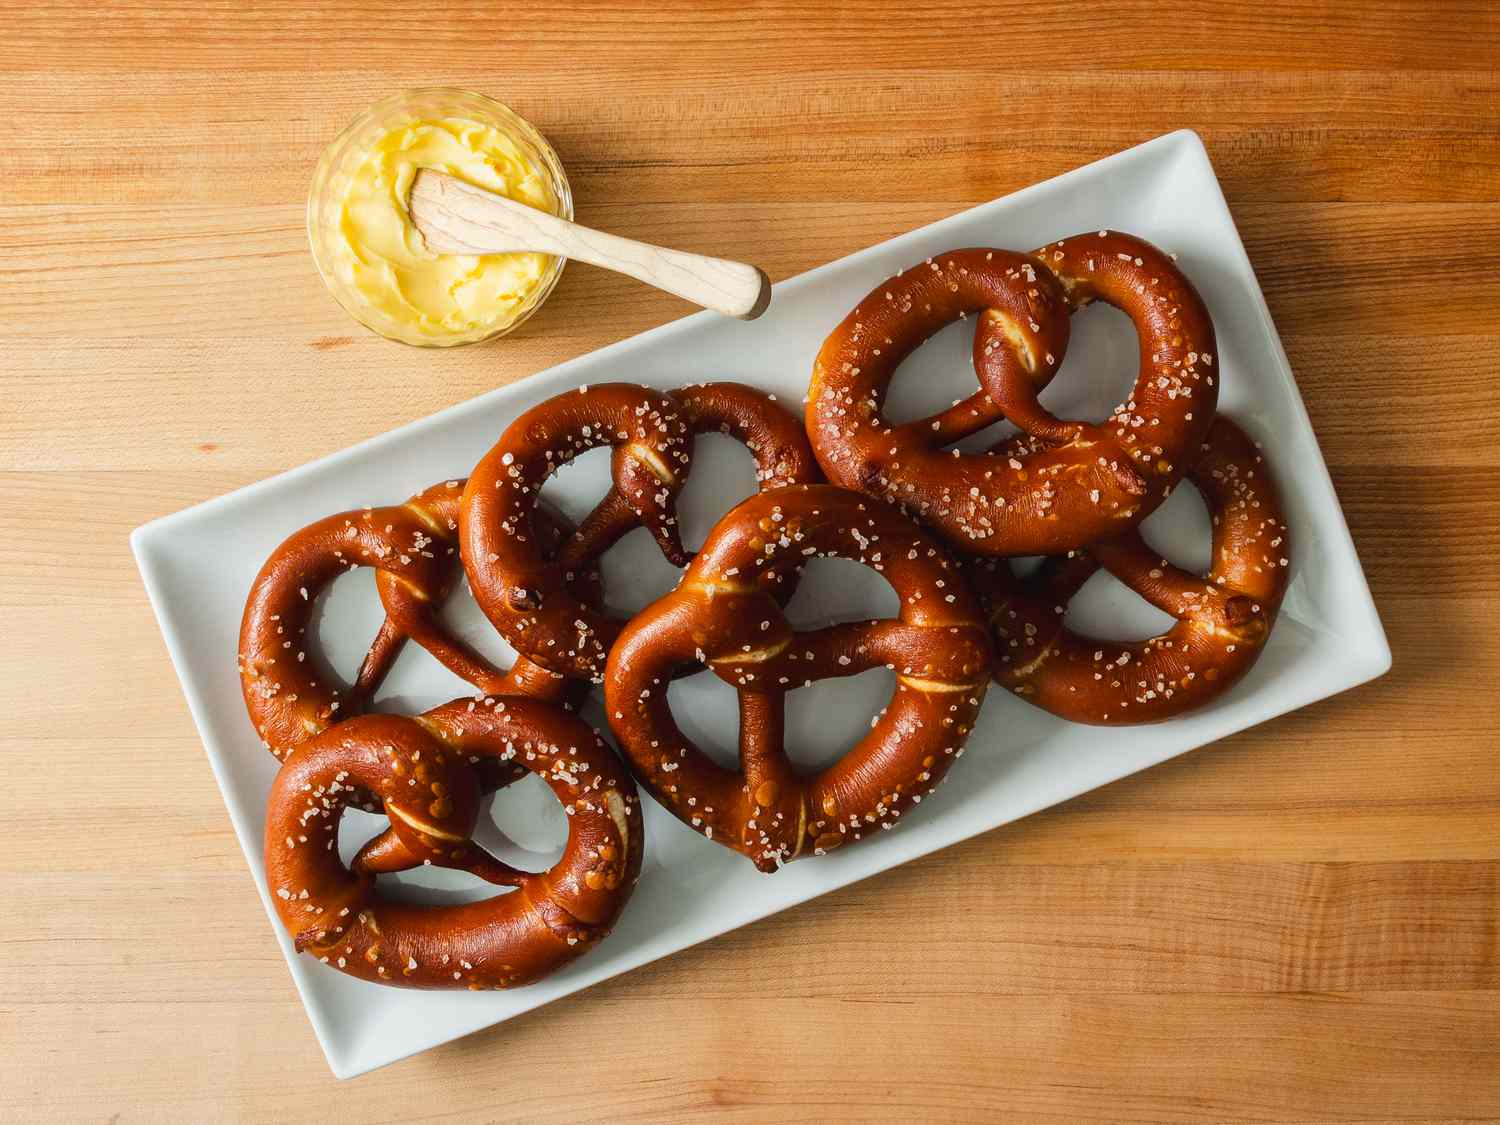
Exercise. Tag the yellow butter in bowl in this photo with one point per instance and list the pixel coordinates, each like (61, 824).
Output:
(371, 256)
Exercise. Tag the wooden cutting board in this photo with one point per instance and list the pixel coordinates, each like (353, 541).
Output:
(1299, 924)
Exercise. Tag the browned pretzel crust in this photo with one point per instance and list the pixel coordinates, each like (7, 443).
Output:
(523, 593)
(1076, 482)
(420, 767)
(413, 548)
(724, 614)
(1223, 617)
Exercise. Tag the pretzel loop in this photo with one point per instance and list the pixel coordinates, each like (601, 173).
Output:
(723, 615)
(1223, 617)
(1071, 483)
(651, 432)
(421, 768)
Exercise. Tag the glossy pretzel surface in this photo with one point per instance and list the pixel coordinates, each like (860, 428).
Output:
(413, 548)
(525, 593)
(1224, 617)
(423, 769)
(726, 614)
(1071, 483)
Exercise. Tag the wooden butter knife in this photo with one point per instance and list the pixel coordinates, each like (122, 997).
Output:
(454, 217)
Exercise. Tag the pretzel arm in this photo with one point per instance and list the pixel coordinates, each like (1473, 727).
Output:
(777, 815)
(466, 663)
(387, 645)
(1012, 375)
(1169, 588)
(964, 418)
(610, 520)
(852, 647)
(828, 652)
(388, 853)
(409, 615)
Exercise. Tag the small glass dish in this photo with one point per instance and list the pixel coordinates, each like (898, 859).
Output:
(332, 179)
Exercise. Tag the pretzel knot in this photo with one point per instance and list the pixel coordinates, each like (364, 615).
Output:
(421, 768)
(723, 614)
(413, 548)
(1073, 482)
(524, 593)
(1223, 618)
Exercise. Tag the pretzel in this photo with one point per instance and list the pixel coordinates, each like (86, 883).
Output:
(524, 594)
(413, 550)
(1077, 482)
(724, 614)
(1223, 617)
(420, 768)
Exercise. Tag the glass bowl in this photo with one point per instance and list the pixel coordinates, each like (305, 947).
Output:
(332, 179)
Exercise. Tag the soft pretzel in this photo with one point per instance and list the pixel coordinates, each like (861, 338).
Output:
(414, 552)
(1077, 482)
(420, 768)
(724, 613)
(526, 595)
(1223, 617)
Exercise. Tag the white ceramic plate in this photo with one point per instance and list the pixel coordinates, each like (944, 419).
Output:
(198, 565)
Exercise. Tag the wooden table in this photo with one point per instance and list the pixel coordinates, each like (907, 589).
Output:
(1299, 924)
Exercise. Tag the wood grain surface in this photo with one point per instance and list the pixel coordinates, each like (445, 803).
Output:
(1299, 924)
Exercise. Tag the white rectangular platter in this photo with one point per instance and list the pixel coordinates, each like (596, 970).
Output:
(198, 565)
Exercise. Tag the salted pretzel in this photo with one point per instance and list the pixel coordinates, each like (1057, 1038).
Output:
(1076, 482)
(420, 768)
(1223, 617)
(725, 614)
(523, 592)
(413, 549)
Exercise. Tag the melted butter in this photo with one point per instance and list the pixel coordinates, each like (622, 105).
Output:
(381, 258)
